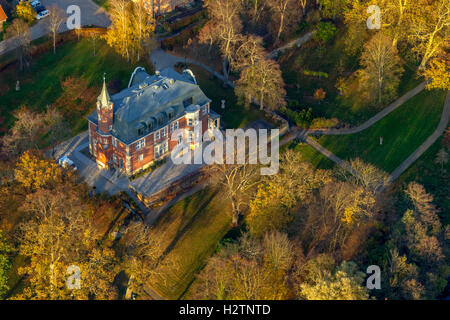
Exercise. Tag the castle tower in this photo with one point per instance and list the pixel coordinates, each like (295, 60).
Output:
(104, 110)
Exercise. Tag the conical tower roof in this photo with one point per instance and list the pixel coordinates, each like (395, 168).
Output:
(104, 97)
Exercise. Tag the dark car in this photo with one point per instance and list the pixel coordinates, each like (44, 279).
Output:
(39, 9)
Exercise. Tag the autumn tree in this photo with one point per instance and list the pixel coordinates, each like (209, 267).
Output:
(334, 8)
(118, 35)
(56, 17)
(251, 270)
(5, 264)
(249, 51)
(76, 98)
(25, 11)
(364, 174)
(34, 172)
(322, 280)
(142, 26)
(141, 256)
(381, 70)
(25, 132)
(428, 28)
(272, 208)
(20, 34)
(419, 237)
(225, 29)
(56, 235)
(263, 84)
(237, 180)
(56, 127)
(438, 73)
(442, 158)
(284, 14)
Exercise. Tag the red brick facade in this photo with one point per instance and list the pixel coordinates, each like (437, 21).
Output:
(137, 155)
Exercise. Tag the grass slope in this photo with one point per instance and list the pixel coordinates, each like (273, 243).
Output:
(191, 230)
(40, 85)
(403, 131)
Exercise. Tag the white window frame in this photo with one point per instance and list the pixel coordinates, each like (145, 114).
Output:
(140, 144)
(157, 136)
(141, 157)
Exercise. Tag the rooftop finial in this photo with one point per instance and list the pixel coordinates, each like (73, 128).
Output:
(104, 95)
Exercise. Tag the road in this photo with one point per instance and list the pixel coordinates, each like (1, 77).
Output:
(90, 14)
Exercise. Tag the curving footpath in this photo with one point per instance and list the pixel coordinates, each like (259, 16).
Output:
(304, 134)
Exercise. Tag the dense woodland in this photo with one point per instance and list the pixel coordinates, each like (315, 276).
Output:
(305, 233)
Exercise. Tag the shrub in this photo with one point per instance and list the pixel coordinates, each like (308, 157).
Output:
(301, 118)
(324, 123)
(325, 31)
(315, 73)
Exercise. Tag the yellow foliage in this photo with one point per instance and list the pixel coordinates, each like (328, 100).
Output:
(35, 173)
(25, 11)
(439, 73)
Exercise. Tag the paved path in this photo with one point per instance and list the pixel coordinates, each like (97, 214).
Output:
(304, 134)
(380, 115)
(91, 14)
(424, 147)
(296, 42)
(162, 59)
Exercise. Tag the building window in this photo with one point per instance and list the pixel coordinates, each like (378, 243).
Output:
(188, 102)
(164, 131)
(141, 157)
(110, 127)
(180, 138)
(190, 137)
(174, 126)
(156, 151)
(140, 144)
(204, 110)
(114, 142)
(190, 122)
(157, 135)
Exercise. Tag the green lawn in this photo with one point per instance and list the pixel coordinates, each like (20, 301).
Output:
(403, 131)
(434, 178)
(235, 115)
(309, 154)
(40, 85)
(191, 230)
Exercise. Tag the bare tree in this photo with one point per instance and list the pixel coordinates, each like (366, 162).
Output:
(20, 33)
(141, 256)
(226, 30)
(262, 83)
(56, 17)
(25, 132)
(237, 181)
(284, 14)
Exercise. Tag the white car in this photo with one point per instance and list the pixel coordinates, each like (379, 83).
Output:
(35, 3)
(42, 14)
(65, 162)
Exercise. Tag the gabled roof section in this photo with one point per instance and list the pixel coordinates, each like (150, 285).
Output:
(3, 15)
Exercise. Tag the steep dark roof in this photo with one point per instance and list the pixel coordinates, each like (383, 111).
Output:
(3, 15)
(150, 98)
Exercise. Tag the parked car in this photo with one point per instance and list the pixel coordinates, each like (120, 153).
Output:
(42, 14)
(39, 8)
(65, 162)
(35, 3)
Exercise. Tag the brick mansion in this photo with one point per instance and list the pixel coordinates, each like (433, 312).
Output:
(132, 128)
